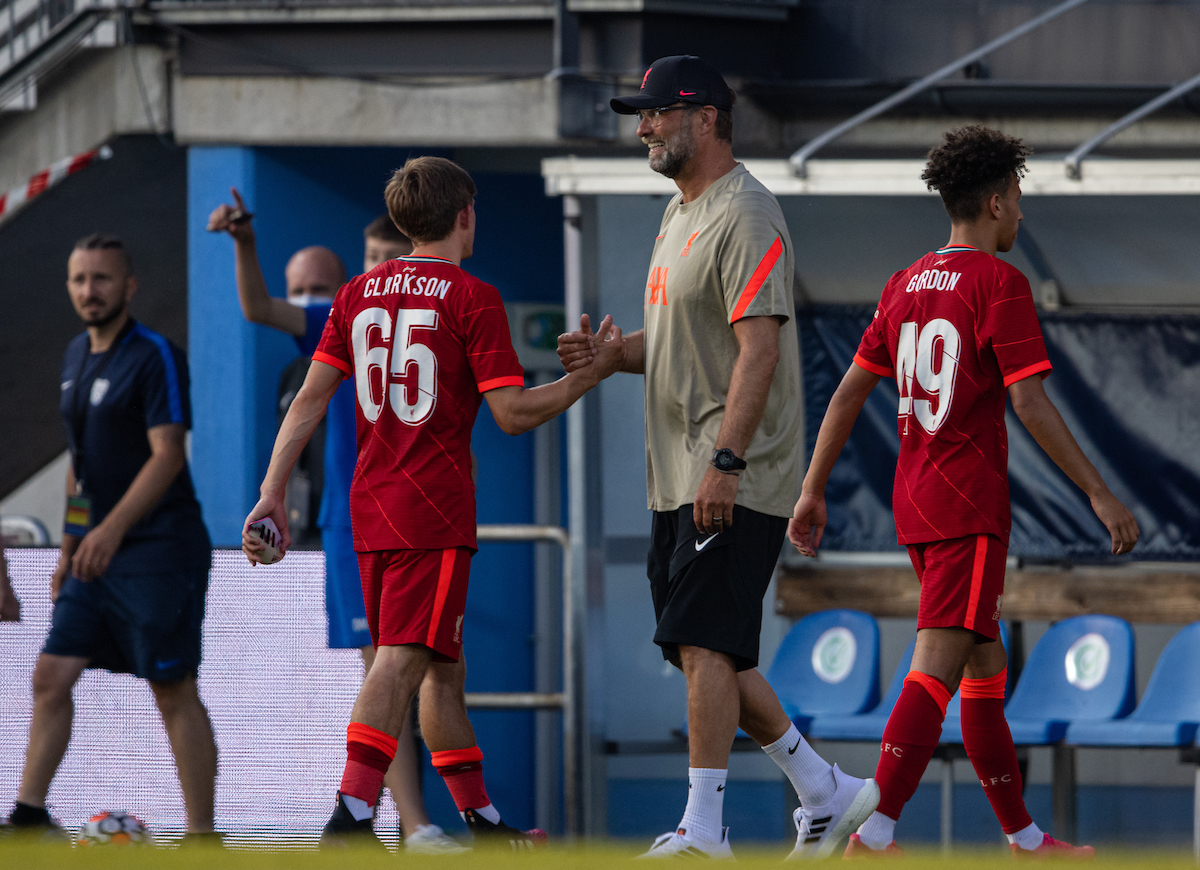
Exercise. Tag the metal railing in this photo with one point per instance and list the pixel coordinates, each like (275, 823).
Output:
(567, 699)
(36, 35)
(1074, 160)
(799, 160)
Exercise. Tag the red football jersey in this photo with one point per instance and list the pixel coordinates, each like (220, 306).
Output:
(955, 329)
(423, 341)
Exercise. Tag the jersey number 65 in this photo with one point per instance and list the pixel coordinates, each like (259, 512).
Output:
(383, 359)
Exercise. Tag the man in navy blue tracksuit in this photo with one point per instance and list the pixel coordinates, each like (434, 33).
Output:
(130, 585)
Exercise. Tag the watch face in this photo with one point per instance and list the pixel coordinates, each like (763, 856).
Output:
(724, 459)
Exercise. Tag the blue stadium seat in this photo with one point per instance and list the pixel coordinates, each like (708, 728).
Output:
(952, 727)
(1169, 713)
(1081, 669)
(866, 727)
(827, 664)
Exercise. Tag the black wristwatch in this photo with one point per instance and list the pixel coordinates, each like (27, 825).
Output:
(726, 462)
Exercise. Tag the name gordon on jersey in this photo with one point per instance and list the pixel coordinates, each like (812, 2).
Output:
(407, 284)
(933, 279)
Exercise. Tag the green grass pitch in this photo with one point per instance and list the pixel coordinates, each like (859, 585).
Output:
(595, 856)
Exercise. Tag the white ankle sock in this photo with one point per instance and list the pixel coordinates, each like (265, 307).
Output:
(809, 773)
(489, 812)
(1027, 838)
(877, 831)
(705, 804)
(358, 807)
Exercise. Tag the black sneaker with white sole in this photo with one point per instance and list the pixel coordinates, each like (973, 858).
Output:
(343, 831)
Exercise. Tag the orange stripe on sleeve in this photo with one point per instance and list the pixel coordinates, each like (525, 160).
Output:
(341, 366)
(357, 732)
(453, 757)
(935, 687)
(987, 687)
(445, 575)
(873, 368)
(981, 544)
(495, 383)
(757, 279)
(1022, 374)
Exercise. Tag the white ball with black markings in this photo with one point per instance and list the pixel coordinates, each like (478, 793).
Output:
(267, 532)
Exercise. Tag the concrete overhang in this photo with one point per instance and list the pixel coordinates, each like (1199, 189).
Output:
(221, 13)
(95, 97)
(1045, 177)
(765, 11)
(293, 110)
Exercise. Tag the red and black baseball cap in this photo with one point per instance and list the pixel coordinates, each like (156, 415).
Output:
(680, 78)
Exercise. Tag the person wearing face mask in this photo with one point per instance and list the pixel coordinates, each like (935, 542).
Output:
(321, 488)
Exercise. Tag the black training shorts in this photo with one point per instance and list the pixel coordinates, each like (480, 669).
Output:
(148, 625)
(708, 589)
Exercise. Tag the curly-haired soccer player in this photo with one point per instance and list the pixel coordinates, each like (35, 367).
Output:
(957, 330)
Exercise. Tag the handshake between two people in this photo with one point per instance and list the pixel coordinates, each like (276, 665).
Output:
(589, 357)
(580, 348)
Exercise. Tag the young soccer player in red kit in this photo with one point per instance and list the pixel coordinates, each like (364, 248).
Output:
(425, 343)
(958, 331)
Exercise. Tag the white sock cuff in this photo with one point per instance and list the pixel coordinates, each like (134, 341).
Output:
(1027, 838)
(358, 807)
(787, 741)
(705, 803)
(877, 831)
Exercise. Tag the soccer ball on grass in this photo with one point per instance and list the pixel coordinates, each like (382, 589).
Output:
(115, 829)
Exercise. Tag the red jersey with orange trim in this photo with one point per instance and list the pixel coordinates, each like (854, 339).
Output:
(722, 258)
(955, 330)
(423, 341)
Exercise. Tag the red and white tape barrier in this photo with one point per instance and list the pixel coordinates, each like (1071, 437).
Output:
(13, 200)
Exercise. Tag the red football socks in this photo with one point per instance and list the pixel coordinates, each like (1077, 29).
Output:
(462, 769)
(990, 747)
(912, 733)
(369, 753)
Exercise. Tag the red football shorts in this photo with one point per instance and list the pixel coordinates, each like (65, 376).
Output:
(416, 596)
(962, 582)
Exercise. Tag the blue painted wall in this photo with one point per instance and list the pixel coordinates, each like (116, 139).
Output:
(309, 196)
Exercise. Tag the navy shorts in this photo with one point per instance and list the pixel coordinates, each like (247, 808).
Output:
(708, 589)
(344, 606)
(146, 624)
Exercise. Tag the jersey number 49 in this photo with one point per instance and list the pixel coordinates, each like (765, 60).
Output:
(384, 359)
(930, 355)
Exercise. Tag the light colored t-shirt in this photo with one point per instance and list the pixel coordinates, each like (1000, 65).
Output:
(724, 256)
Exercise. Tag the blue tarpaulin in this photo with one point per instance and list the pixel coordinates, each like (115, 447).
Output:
(1128, 387)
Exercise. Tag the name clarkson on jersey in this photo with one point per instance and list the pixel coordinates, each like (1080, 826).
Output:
(933, 279)
(407, 284)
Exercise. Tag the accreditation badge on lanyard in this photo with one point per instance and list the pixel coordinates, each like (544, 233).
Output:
(79, 516)
(79, 506)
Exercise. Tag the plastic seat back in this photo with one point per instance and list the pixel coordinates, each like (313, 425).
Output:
(896, 686)
(828, 664)
(1173, 693)
(1081, 668)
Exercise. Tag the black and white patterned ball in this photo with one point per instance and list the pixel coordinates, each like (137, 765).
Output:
(114, 829)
